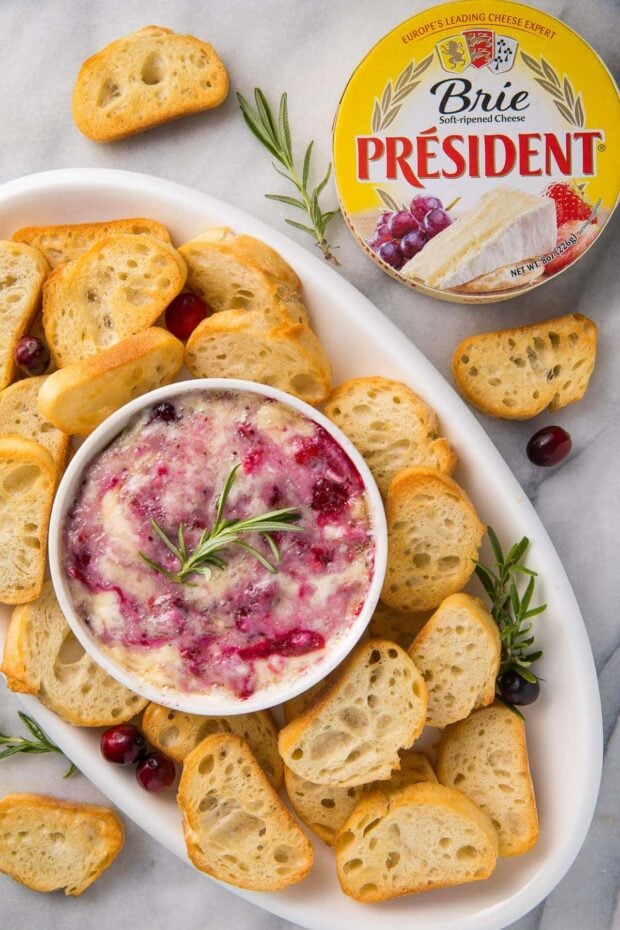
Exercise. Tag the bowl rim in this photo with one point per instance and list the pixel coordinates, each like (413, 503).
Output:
(219, 703)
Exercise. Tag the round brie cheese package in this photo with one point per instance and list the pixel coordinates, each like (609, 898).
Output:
(476, 150)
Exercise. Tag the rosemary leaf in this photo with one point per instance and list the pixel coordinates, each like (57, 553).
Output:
(169, 545)
(285, 132)
(511, 609)
(258, 556)
(40, 744)
(301, 226)
(291, 201)
(305, 174)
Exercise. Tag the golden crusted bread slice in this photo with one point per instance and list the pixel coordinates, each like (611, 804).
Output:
(22, 273)
(297, 705)
(352, 732)
(239, 272)
(43, 657)
(516, 373)
(236, 827)
(325, 808)
(322, 808)
(114, 290)
(80, 396)
(66, 242)
(458, 653)
(390, 425)
(19, 414)
(143, 79)
(28, 478)
(236, 344)
(415, 766)
(47, 844)
(176, 734)
(433, 537)
(401, 626)
(485, 757)
(422, 837)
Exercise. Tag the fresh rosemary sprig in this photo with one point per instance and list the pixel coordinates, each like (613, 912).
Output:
(275, 135)
(510, 609)
(40, 743)
(224, 533)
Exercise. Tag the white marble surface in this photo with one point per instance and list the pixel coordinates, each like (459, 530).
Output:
(309, 49)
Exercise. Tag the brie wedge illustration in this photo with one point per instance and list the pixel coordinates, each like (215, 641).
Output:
(505, 227)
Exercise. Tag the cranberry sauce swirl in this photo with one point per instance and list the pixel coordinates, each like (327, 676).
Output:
(243, 628)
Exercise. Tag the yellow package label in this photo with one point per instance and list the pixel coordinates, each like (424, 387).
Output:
(476, 150)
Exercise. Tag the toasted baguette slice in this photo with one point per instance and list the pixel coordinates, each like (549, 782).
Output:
(422, 837)
(414, 767)
(236, 827)
(80, 396)
(19, 414)
(22, 272)
(176, 734)
(297, 705)
(47, 844)
(400, 626)
(43, 657)
(390, 425)
(27, 482)
(458, 653)
(146, 78)
(67, 242)
(353, 731)
(238, 272)
(516, 373)
(485, 757)
(433, 537)
(235, 344)
(324, 808)
(114, 290)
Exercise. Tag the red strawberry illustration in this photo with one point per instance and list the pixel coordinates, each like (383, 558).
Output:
(565, 233)
(570, 204)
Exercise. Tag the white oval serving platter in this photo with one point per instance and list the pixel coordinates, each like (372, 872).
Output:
(563, 727)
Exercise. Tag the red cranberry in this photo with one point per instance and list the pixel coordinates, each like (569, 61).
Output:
(275, 496)
(516, 690)
(549, 446)
(253, 460)
(294, 643)
(32, 356)
(165, 412)
(299, 642)
(320, 557)
(122, 744)
(155, 772)
(185, 313)
(329, 497)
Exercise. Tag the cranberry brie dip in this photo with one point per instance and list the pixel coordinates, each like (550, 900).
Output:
(222, 541)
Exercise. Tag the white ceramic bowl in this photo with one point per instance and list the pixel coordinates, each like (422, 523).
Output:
(217, 701)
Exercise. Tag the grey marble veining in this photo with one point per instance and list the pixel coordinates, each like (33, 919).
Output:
(309, 48)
